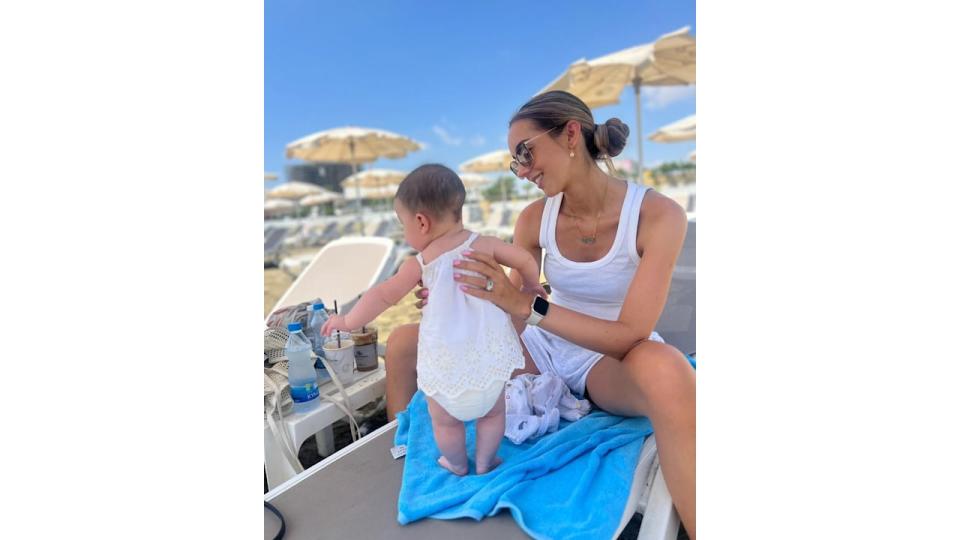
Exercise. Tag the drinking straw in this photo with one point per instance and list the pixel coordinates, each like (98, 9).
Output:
(336, 312)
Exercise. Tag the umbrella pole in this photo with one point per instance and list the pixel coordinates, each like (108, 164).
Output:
(636, 93)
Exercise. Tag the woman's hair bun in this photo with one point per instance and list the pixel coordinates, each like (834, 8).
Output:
(610, 137)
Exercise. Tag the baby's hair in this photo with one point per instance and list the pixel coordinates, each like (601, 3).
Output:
(434, 190)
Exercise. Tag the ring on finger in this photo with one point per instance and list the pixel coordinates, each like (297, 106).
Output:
(489, 286)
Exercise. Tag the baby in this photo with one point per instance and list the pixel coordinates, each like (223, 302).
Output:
(467, 346)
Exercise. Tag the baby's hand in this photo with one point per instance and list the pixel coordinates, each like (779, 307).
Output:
(335, 322)
(538, 289)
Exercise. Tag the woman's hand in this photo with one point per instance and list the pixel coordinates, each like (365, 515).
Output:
(504, 293)
(422, 294)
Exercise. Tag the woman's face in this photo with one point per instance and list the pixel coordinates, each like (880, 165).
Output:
(550, 161)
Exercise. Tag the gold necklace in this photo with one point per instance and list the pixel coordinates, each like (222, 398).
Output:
(584, 239)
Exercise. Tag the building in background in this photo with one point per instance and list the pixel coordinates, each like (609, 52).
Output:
(326, 175)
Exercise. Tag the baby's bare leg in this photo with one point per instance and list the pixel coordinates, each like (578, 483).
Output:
(490, 429)
(450, 437)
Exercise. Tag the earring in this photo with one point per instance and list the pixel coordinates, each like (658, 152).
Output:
(571, 153)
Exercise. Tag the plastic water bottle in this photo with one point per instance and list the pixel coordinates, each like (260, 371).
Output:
(303, 378)
(318, 316)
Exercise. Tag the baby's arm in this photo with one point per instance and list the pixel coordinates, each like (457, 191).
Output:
(377, 299)
(520, 260)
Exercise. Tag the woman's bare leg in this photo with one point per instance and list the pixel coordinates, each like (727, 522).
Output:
(528, 364)
(451, 439)
(656, 381)
(490, 428)
(401, 368)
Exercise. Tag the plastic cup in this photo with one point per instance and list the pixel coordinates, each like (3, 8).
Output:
(340, 356)
(365, 349)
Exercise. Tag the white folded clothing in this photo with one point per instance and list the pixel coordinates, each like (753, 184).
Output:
(535, 404)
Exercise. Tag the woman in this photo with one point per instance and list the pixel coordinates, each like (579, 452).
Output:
(610, 251)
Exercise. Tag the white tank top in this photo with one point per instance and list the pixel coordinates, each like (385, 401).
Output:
(465, 343)
(599, 287)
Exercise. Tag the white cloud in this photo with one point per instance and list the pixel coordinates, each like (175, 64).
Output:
(447, 137)
(658, 97)
(478, 140)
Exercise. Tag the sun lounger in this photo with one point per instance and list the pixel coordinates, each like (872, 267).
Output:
(505, 218)
(353, 493)
(342, 271)
(382, 228)
(474, 216)
(273, 245)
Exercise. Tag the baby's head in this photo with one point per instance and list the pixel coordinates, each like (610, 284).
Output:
(429, 202)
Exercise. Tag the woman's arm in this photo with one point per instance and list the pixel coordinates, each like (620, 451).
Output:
(662, 229)
(377, 299)
(526, 236)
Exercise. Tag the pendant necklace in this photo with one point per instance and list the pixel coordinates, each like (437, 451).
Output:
(592, 239)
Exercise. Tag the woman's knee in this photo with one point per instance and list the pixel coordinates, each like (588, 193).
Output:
(660, 370)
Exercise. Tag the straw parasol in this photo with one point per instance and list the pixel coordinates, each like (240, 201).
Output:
(679, 131)
(668, 61)
(474, 180)
(321, 198)
(267, 176)
(278, 206)
(294, 190)
(353, 145)
(496, 161)
(373, 178)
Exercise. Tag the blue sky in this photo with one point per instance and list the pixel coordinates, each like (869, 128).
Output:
(449, 74)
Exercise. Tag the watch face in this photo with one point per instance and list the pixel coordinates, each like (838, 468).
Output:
(540, 306)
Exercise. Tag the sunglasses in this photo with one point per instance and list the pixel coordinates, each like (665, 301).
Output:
(524, 154)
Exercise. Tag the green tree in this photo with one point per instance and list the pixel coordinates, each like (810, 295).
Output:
(505, 186)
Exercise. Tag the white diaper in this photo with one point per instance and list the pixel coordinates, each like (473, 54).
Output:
(471, 404)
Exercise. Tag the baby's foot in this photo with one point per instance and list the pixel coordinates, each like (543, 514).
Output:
(493, 465)
(446, 465)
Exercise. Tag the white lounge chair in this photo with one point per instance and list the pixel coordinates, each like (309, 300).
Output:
(342, 271)
(353, 493)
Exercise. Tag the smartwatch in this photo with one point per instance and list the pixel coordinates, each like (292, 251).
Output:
(538, 310)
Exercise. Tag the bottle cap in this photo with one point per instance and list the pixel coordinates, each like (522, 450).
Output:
(318, 306)
(293, 327)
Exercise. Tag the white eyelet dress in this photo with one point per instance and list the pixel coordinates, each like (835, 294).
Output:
(467, 347)
(595, 288)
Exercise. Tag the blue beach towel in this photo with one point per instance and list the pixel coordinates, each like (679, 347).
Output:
(572, 483)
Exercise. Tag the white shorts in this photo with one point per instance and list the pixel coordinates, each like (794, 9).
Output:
(471, 404)
(570, 362)
(553, 354)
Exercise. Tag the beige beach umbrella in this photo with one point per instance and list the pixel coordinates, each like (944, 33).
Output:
(321, 198)
(353, 145)
(474, 180)
(294, 190)
(278, 206)
(679, 131)
(373, 178)
(693, 156)
(496, 161)
(372, 192)
(670, 60)
(267, 176)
